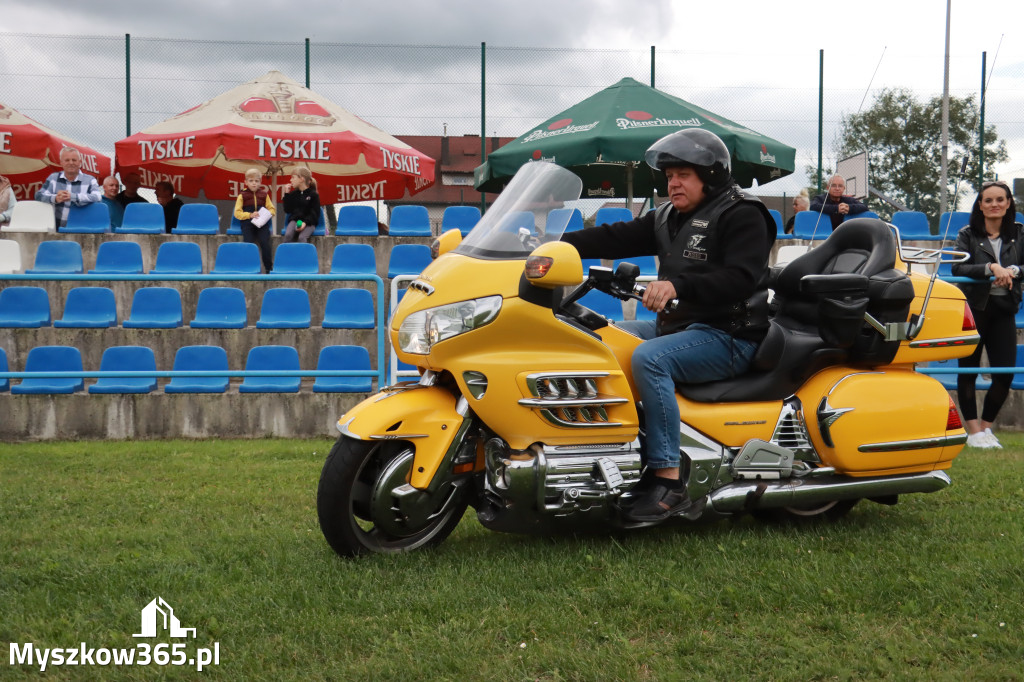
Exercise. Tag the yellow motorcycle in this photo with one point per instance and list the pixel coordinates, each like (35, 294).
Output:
(526, 408)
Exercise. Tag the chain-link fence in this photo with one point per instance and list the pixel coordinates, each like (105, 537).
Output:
(98, 89)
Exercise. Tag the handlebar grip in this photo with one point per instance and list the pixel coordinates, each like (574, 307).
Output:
(639, 289)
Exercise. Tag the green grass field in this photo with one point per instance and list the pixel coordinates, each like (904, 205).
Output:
(226, 533)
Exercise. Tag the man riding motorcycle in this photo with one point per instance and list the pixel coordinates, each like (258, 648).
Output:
(713, 241)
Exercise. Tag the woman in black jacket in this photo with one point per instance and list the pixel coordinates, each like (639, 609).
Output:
(302, 206)
(996, 244)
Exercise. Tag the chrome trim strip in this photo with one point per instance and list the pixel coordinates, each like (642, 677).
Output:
(545, 403)
(914, 444)
(558, 421)
(945, 343)
(396, 436)
(562, 375)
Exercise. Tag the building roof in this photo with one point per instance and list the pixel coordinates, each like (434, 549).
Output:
(455, 158)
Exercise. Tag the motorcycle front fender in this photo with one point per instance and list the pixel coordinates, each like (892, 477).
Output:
(428, 417)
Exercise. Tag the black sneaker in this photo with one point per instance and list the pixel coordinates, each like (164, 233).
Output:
(658, 503)
(646, 482)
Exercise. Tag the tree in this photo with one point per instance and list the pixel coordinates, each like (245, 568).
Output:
(903, 139)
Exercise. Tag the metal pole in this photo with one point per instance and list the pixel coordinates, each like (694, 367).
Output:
(652, 66)
(483, 116)
(650, 200)
(981, 124)
(307, 62)
(128, 84)
(944, 173)
(821, 109)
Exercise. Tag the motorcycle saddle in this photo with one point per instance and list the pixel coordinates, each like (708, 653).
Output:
(818, 315)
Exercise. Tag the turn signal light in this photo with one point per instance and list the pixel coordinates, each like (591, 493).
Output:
(969, 325)
(953, 418)
(538, 266)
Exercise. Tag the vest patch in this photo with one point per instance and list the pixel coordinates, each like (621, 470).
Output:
(700, 224)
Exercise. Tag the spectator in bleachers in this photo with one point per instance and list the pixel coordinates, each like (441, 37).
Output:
(251, 199)
(69, 187)
(110, 189)
(130, 193)
(996, 244)
(7, 200)
(800, 203)
(835, 204)
(172, 204)
(302, 206)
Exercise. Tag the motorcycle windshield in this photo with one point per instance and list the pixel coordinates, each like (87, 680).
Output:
(536, 206)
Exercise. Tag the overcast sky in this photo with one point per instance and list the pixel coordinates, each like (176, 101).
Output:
(758, 55)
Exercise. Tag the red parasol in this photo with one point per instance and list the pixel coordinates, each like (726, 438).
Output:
(274, 124)
(29, 152)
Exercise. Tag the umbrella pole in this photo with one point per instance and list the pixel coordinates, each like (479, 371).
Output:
(629, 187)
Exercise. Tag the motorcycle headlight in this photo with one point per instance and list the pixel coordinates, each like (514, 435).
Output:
(421, 330)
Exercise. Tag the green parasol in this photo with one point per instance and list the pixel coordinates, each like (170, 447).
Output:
(603, 139)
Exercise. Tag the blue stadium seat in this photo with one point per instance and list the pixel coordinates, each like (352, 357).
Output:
(780, 227)
(118, 258)
(52, 359)
(604, 304)
(199, 359)
(89, 219)
(5, 383)
(408, 259)
(338, 358)
(89, 307)
(589, 263)
(281, 358)
(864, 214)
(947, 380)
(296, 258)
(512, 222)
(1020, 321)
(24, 307)
(154, 308)
(353, 259)
(284, 308)
(178, 258)
(220, 308)
(648, 267)
(950, 223)
(807, 223)
(408, 220)
(945, 269)
(126, 359)
(235, 228)
(1018, 379)
(913, 225)
(461, 218)
(237, 258)
(611, 214)
(58, 258)
(643, 313)
(571, 218)
(197, 219)
(354, 221)
(140, 218)
(348, 309)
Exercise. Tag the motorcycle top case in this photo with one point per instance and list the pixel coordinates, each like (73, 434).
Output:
(879, 422)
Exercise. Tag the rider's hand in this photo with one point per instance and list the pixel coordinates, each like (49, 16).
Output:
(658, 295)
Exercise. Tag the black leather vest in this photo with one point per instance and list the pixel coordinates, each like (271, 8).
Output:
(696, 246)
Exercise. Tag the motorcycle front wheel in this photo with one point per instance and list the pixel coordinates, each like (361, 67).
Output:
(365, 505)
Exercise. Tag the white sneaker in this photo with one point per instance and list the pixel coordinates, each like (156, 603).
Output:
(993, 442)
(979, 440)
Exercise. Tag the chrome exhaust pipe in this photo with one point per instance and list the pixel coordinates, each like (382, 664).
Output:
(795, 492)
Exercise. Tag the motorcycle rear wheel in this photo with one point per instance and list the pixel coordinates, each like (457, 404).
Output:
(362, 509)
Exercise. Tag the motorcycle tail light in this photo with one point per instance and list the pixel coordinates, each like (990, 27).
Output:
(968, 325)
(953, 418)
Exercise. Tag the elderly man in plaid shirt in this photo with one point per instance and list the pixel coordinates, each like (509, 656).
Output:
(69, 187)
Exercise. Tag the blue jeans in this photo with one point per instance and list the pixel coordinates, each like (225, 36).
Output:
(698, 354)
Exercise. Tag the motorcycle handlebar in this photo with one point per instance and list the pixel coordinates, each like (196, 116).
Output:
(638, 294)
